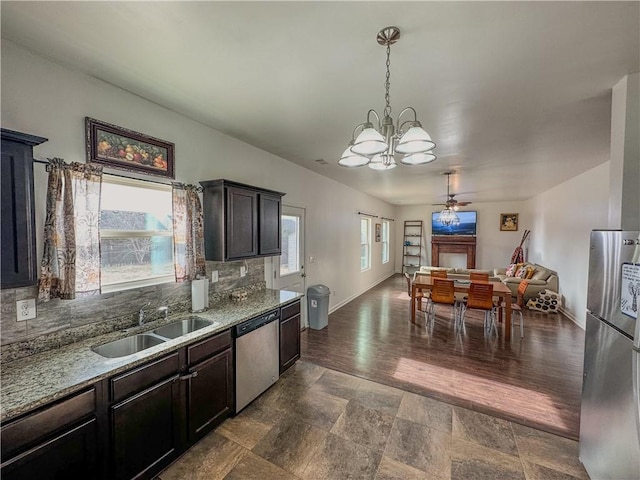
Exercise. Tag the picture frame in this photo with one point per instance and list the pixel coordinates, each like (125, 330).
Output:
(378, 232)
(121, 148)
(508, 222)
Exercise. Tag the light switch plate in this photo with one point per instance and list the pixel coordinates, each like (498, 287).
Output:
(25, 309)
(214, 276)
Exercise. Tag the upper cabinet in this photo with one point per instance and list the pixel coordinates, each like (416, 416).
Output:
(240, 221)
(18, 261)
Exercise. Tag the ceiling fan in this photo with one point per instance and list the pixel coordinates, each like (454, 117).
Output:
(451, 203)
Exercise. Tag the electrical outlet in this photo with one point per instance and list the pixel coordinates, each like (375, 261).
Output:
(312, 259)
(214, 276)
(25, 309)
(243, 271)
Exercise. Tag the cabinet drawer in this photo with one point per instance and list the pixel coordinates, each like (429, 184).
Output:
(290, 310)
(27, 430)
(208, 347)
(142, 377)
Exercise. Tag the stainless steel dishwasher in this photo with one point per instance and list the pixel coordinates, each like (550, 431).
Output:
(257, 357)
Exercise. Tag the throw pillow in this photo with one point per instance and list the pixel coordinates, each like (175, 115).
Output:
(521, 272)
(511, 271)
(530, 272)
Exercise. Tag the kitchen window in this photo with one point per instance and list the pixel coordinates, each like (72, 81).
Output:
(365, 244)
(385, 241)
(136, 234)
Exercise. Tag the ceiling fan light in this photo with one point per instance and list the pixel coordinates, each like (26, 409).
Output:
(418, 158)
(380, 163)
(351, 159)
(369, 142)
(415, 140)
(448, 217)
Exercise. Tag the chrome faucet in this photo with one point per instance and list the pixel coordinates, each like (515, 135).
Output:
(141, 313)
(164, 310)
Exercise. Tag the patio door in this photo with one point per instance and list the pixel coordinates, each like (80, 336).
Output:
(288, 273)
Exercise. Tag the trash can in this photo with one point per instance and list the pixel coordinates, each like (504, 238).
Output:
(318, 306)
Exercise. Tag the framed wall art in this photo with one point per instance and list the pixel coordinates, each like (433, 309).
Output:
(119, 147)
(508, 222)
(378, 230)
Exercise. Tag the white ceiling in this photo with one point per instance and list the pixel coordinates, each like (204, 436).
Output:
(516, 95)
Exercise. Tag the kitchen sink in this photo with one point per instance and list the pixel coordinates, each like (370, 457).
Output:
(177, 329)
(127, 346)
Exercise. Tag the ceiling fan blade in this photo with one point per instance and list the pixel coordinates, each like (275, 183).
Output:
(443, 204)
(462, 204)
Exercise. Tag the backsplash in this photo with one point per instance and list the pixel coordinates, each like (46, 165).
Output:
(76, 319)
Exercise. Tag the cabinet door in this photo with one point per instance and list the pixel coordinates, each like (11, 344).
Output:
(289, 342)
(18, 261)
(145, 431)
(210, 393)
(241, 223)
(270, 218)
(71, 454)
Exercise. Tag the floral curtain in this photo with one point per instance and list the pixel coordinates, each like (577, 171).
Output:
(188, 237)
(71, 259)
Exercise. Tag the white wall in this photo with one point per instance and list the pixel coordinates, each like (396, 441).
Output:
(562, 219)
(493, 247)
(45, 99)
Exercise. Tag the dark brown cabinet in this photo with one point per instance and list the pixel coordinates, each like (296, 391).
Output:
(210, 384)
(289, 335)
(240, 221)
(58, 441)
(18, 262)
(145, 421)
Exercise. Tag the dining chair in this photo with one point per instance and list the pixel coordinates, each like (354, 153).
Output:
(442, 292)
(419, 293)
(518, 306)
(480, 298)
(438, 274)
(479, 277)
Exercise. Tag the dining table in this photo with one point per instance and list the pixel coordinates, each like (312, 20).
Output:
(500, 290)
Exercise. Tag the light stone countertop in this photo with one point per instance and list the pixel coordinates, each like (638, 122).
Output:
(31, 382)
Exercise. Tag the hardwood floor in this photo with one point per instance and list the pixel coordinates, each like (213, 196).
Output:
(535, 381)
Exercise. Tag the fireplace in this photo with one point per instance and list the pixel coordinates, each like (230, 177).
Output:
(453, 244)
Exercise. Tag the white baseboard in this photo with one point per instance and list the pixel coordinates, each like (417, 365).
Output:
(356, 295)
(570, 316)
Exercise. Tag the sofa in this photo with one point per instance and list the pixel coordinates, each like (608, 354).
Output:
(541, 278)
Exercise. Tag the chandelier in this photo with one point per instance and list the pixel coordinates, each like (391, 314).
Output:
(377, 144)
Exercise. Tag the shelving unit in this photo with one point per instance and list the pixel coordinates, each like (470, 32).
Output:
(412, 246)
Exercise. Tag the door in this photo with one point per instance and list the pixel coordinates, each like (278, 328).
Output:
(289, 273)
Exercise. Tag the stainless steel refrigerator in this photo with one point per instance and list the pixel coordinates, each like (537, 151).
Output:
(610, 414)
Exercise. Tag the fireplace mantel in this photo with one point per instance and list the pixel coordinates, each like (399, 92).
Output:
(453, 244)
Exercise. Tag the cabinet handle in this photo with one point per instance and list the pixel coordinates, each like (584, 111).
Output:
(188, 376)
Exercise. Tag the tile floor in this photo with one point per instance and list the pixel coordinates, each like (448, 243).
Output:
(317, 423)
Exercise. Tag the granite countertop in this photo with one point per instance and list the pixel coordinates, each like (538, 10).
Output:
(34, 381)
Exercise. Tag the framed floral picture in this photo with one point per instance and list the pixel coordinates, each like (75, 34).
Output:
(378, 230)
(118, 147)
(508, 222)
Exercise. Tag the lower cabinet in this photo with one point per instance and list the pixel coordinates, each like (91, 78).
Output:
(58, 441)
(210, 394)
(71, 454)
(289, 335)
(145, 430)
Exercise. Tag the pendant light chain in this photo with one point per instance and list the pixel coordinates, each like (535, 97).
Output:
(387, 84)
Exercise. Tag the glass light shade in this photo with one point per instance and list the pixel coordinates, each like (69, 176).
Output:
(351, 159)
(448, 217)
(418, 158)
(378, 163)
(369, 142)
(415, 140)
